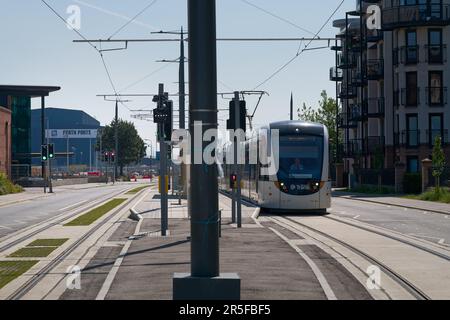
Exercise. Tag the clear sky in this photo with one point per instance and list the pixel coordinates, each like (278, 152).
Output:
(37, 49)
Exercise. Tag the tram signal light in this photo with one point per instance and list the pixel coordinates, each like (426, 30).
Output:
(233, 181)
(44, 152)
(51, 151)
(113, 157)
(242, 112)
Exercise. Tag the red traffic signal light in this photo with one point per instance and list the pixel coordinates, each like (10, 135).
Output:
(233, 181)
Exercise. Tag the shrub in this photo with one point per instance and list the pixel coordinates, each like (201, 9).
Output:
(412, 183)
(436, 195)
(7, 187)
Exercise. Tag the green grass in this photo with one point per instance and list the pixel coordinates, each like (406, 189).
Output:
(38, 252)
(48, 243)
(7, 187)
(137, 190)
(442, 196)
(95, 214)
(10, 270)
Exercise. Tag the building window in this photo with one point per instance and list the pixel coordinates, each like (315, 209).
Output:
(436, 125)
(411, 49)
(412, 130)
(412, 98)
(435, 46)
(436, 89)
(413, 164)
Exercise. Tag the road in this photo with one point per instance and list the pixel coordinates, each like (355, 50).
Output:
(21, 215)
(428, 226)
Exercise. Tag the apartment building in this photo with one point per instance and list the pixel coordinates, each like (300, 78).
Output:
(392, 84)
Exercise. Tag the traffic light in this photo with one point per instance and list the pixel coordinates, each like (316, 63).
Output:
(51, 151)
(44, 152)
(231, 123)
(113, 157)
(233, 181)
(164, 115)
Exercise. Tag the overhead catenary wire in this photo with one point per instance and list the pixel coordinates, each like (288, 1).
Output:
(134, 18)
(99, 51)
(299, 52)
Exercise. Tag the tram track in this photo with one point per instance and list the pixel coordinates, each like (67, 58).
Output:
(35, 279)
(411, 288)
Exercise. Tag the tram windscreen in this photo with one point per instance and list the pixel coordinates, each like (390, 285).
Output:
(301, 158)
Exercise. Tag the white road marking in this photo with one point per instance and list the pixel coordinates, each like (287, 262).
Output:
(446, 217)
(356, 217)
(320, 276)
(425, 212)
(73, 205)
(442, 241)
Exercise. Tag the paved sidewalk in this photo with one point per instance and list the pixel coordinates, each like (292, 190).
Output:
(27, 195)
(398, 201)
(270, 269)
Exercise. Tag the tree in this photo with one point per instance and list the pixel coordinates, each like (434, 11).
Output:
(438, 162)
(131, 146)
(325, 114)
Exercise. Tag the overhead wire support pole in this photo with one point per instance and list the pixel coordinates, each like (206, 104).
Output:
(238, 160)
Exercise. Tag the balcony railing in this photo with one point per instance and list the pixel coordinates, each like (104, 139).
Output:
(436, 54)
(410, 97)
(375, 36)
(348, 92)
(433, 134)
(410, 138)
(346, 63)
(376, 107)
(342, 122)
(366, 146)
(375, 69)
(358, 112)
(436, 96)
(374, 145)
(336, 74)
(416, 15)
(409, 54)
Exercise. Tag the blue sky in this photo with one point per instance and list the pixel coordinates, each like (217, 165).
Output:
(37, 49)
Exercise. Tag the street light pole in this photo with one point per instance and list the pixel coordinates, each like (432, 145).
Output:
(116, 138)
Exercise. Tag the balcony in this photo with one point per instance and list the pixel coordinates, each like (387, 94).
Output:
(348, 92)
(344, 63)
(409, 55)
(336, 74)
(433, 134)
(366, 146)
(358, 112)
(342, 122)
(410, 138)
(436, 54)
(375, 69)
(410, 97)
(436, 96)
(404, 16)
(376, 107)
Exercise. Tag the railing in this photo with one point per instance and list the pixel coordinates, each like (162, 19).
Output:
(375, 69)
(376, 107)
(336, 74)
(342, 121)
(358, 112)
(366, 146)
(345, 63)
(409, 54)
(436, 96)
(402, 16)
(410, 97)
(375, 35)
(20, 171)
(433, 134)
(436, 53)
(374, 145)
(348, 92)
(410, 138)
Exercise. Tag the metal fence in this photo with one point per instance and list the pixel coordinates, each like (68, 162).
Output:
(19, 171)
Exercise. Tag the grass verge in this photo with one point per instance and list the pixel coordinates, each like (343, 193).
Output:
(7, 187)
(30, 252)
(10, 270)
(442, 196)
(95, 214)
(48, 243)
(137, 190)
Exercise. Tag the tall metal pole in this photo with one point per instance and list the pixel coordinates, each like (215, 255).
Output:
(163, 171)
(67, 154)
(337, 103)
(182, 110)
(203, 116)
(237, 163)
(116, 137)
(292, 107)
(43, 140)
